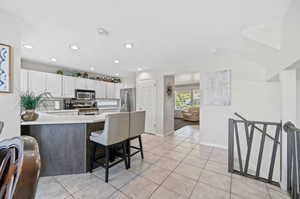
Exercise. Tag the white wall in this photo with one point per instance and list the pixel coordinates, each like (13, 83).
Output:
(187, 78)
(253, 99)
(9, 109)
(298, 103)
(169, 105)
(288, 82)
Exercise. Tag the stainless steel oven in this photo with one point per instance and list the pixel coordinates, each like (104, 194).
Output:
(85, 94)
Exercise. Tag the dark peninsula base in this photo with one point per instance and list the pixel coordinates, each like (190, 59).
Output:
(64, 148)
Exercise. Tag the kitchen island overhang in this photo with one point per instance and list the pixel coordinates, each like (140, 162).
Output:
(64, 142)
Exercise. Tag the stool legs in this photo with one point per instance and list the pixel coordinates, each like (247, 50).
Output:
(93, 156)
(128, 153)
(106, 163)
(124, 155)
(141, 146)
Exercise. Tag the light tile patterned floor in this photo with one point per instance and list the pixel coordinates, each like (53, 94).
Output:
(175, 167)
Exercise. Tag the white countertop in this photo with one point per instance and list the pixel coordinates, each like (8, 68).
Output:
(45, 118)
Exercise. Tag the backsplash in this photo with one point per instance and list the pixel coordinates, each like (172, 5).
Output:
(52, 104)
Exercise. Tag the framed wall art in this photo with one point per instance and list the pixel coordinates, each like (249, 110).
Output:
(216, 88)
(5, 68)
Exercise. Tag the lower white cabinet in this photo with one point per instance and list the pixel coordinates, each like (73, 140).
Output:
(54, 84)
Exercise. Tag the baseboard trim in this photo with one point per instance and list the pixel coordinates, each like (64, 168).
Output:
(169, 133)
(214, 145)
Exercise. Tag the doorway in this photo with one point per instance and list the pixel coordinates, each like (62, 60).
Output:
(187, 101)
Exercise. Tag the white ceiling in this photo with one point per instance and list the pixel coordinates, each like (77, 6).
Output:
(167, 34)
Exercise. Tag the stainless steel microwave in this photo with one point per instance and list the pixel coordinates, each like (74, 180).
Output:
(85, 94)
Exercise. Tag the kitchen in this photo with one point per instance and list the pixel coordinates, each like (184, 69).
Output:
(76, 108)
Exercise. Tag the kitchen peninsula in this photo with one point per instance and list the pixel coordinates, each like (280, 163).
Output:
(64, 141)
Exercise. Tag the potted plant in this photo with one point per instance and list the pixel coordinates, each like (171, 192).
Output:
(30, 102)
(77, 74)
(59, 72)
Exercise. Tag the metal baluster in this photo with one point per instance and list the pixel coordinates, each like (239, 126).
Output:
(297, 141)
(231, 145)
(238, 148)
(249, 148)
(261, 150)
(274, 152)
(294, 166)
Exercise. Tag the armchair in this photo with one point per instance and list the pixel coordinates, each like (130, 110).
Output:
(191, 114)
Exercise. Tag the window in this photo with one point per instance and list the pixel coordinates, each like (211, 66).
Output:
(187, 98)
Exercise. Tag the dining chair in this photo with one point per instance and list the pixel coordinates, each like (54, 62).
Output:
(115, 133)
(137, 128)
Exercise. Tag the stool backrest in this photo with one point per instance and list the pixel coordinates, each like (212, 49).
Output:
(137, 123)
(116, 128)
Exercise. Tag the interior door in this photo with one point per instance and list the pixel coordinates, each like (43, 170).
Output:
(146, 100)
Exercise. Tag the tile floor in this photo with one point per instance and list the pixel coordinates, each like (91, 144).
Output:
(175, 167)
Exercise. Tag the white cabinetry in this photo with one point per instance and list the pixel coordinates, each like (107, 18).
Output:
(81, 83)
(24, 80)
(110, 90)
(100, 89)
(69, 85)
(64, 86)
(36, 82)
(118, 87)
(91, 84)
(54, 84)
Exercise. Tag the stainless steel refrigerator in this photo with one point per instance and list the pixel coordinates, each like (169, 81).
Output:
(128, 99)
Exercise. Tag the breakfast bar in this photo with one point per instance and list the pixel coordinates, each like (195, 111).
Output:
(63, 141)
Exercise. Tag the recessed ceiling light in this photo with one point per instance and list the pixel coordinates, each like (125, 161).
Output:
(53, 59)
(102, 31)
(117, 61)
(74, 47)
(139, 69)
(128, 45)
(117, 74)
(213, 50)
(92, 68)
(27, 46)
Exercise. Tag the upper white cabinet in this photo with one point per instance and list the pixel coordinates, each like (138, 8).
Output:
(69, 85)
(100, 89)
(118, 87)
(36, 82)
(81, 83)
(64, 86)
(110, 90)
(54, 84)
(24, 81)
(91, 84)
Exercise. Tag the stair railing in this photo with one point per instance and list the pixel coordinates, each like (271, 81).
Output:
(293, 159)
(250, 128)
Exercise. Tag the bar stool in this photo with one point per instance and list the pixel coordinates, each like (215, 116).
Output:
(137, 128)
(116, 132)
